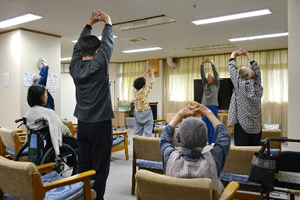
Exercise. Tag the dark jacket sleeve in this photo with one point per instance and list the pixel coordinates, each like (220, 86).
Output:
(76, 51)
(106, 47)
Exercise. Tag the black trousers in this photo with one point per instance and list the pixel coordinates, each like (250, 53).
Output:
(242, 138)
(95, 143)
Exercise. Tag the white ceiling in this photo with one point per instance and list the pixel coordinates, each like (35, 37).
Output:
(66, 18)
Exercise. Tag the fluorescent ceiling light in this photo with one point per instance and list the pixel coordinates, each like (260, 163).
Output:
(68, 58)
(141, 50)
(233, 17)
(258, 37)
(100, 37)
(19, 20)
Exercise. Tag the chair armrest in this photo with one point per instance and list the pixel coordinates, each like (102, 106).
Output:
(159, 120)
(120, 132)
(21, 132)
(19, 140)
(85, 177)
(229, 191)
(46, 168)
(75, 127)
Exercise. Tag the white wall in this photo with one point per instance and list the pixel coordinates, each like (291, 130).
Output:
(10, 63)
(20, 51)
(294, 72)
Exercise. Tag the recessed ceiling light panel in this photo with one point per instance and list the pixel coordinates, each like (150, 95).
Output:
(19, 20)
(232, 17)
(142, 50)
(259, 37)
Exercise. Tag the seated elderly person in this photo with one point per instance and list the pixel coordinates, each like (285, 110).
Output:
(37, 98)
(191, 162)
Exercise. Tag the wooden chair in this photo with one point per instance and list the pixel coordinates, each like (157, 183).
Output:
(122, 145)
(12, 139)
(146, 155)
(159, 129)
(23, 180)
(151, 185)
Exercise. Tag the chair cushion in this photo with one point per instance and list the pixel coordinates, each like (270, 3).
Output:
(63, 192)
(148, 164)
(118, 140)
(159, 125)
(73, 191)
(240, 178)
(12, 151)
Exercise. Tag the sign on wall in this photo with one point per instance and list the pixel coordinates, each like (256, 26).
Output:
(5, 80)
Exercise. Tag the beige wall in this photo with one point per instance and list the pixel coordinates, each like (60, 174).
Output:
(156, 94)
(294, 72)
(22, 50)
(10, 63)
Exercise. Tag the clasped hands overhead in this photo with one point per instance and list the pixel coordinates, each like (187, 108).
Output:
(194, 109)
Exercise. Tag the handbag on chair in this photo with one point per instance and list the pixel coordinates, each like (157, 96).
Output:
(263, 166)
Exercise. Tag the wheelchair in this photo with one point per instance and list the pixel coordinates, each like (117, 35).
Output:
(41, 150)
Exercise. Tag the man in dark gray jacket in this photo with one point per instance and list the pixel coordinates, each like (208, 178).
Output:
(90, 73)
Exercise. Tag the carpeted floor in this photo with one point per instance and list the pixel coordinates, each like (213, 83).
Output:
(118, 184)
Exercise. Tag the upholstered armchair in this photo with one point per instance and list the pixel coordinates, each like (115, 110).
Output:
(146, 155)
(11, 141)
(23, 180)
(151, 185)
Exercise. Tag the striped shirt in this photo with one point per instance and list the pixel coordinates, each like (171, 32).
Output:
(245, 104)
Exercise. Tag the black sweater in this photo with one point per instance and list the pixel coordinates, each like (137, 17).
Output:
(91, 79)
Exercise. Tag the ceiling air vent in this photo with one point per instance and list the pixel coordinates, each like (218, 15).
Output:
(144, 22)
(135, 40)
(221, 46)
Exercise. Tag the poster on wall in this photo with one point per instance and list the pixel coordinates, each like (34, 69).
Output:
(28, 77)
(52, 82)
(5, 82)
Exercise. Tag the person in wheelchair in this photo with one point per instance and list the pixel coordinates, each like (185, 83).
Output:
(51, 122)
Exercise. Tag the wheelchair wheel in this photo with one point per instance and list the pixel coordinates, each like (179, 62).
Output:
(20, 151)
(66, 161)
